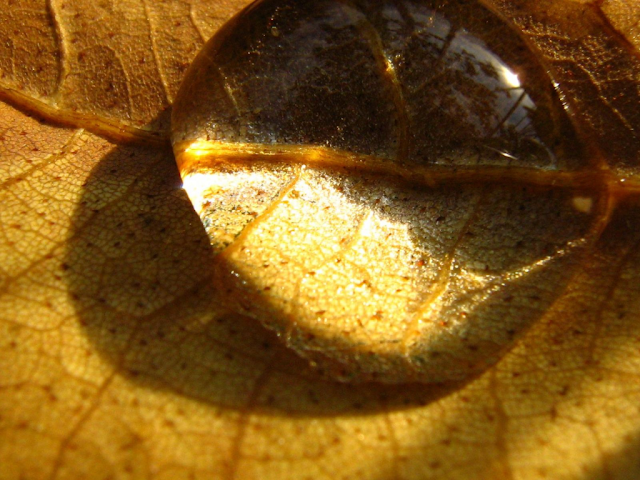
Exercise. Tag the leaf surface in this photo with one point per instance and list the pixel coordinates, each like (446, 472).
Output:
(117, 361)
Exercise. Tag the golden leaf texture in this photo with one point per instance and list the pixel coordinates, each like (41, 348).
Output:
(130, 346)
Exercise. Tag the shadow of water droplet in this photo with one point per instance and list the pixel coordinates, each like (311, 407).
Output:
(139, 268)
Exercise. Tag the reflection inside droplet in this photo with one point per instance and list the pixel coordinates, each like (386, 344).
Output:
(438, 84)
(470, 81)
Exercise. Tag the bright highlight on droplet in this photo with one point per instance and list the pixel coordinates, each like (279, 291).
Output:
(198, 148)
(196, 184)
(201, 187)
(511, 78)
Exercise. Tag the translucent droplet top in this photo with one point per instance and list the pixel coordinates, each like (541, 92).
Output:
(416, 82)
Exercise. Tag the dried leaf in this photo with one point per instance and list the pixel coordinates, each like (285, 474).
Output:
(116, 360)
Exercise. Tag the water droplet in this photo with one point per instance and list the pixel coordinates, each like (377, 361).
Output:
(350, 132)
